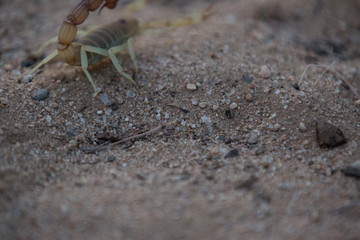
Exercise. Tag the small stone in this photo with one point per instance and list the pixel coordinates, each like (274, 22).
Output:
(215, 150)
(357, 103)
(273, 116)
(296, 86)
(27, 78)
(206, 119)
(265, 72)
(247, 184)
(233, 105)
(48, 118)
(4, 102)
(249, 97)
(40, 94)
(194, 102)
(99, 112)
(191, 86)
(202, 104)
(104, 99)
(120, 100)
(113, 106)
(229, 114)
(130, 94)
(111, 158)
(233, 153)
(254, 137)
(247, 79)
(267, 89)
(215, 107)
(7, 67)
(329, 136)
(302, 127)
(306, 142)
(352, 171)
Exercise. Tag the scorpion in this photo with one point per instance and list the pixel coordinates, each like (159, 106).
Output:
(108, 40)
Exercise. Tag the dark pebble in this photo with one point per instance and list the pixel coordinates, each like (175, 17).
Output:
(229, 114)
(233, 153)
(113, 106)
(247, 184)
(296, 86)
(111, 159)
(329, 136)
(40, 94)
(247, 79)
(352, 171)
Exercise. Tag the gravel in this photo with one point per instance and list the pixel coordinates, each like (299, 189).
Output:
(40, 94)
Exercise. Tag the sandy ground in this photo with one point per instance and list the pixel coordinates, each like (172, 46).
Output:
(230, 148)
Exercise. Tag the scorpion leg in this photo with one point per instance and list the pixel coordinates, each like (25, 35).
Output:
(44, 61)
(112, 51)
(84, 62)
(130, 45)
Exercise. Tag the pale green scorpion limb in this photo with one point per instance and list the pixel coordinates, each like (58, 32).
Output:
(111, 53)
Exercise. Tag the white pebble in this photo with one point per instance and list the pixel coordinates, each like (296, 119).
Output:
(265, 72)
(357, 103)
(233, 105)
(27, 78)
(206, 119)
(302, 127)
(191, 86)
(194, 101)
(202, 104)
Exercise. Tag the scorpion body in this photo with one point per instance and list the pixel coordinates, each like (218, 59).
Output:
(107, 40)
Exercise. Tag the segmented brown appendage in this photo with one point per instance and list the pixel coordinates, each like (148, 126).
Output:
(111, 3)
(67, 33)
(77, 16)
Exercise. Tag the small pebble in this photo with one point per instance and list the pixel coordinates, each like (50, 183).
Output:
(267, 89)
(40, 94)
(296, 86)
(233, 153)
(120, 100)
(249, 97)
(191, 86)
(194, 102)
(130, 94)
(352, 171)
(329, 136)
(265, 72)
(48, 118)
(357, 103)
(111, 159)
(233, 105)
(215, 150)
(302, 127)
(215, 107)
(206, 119)
(104, 99)
(254, 137)
(27, 78)
(99, 112)
(247, 79)
(202, 104)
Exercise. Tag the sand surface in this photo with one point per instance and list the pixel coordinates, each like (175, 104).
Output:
(222, 127)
